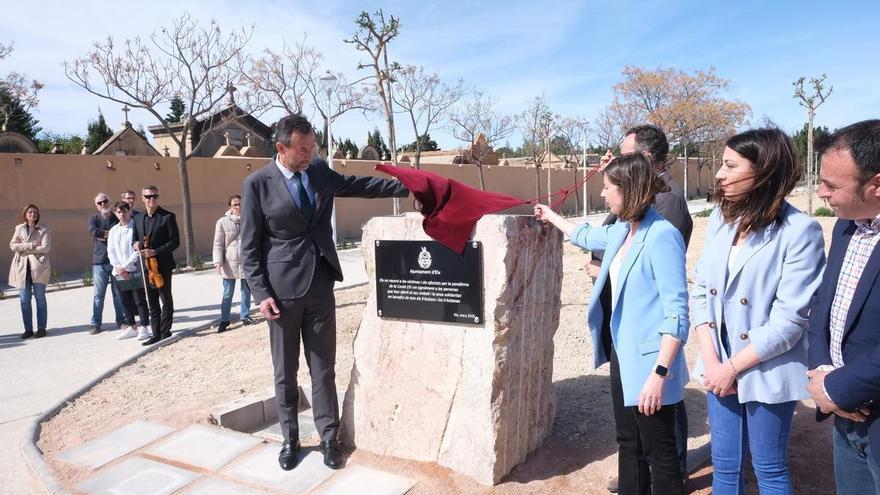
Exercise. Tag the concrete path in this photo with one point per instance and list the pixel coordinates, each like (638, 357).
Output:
(36, 374)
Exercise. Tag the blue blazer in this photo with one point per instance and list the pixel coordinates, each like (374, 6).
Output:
(858, 381)
(651, 300)
(764, 301)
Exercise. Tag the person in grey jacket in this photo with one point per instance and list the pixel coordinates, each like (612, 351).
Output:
(226, 256)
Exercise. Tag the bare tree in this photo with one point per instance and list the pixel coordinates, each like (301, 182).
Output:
(279, 80)
(575, 131)
(537, 128)
(22, 92)
(425, 99)
(477, 117)
(611, 123)
(187, 60)
(372, 37)
(811, 103)
(290, 81)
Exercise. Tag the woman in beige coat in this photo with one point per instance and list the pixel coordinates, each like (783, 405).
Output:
(227, 250)
(30, 270)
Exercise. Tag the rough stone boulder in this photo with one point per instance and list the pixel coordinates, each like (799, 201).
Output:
(474, 398)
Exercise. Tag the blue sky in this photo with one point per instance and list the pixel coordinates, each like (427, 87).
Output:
(572, 52)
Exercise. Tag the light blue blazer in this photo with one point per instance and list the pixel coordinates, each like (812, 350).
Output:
(651, 300)
(764, 301)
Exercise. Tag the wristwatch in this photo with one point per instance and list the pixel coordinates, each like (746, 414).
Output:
(661, 370)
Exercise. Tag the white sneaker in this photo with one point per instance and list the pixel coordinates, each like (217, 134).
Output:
(143, 333)
(127, 333)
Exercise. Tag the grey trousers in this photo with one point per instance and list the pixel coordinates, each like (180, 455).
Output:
(312, 318)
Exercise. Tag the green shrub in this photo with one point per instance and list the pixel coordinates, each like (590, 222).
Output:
(198, 263)
(88, 279)
(823, 211)
(705, 213)
(55, 279)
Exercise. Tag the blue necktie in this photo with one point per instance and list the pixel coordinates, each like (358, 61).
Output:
(306, 207)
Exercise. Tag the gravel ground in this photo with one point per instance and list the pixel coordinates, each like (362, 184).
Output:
(179, 384)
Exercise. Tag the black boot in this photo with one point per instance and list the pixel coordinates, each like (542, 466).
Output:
(27, 334)
(41, 332)
(224, 326)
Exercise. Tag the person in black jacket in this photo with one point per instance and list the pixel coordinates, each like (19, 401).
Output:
(290, 262)
(651, 141)
(160, 226)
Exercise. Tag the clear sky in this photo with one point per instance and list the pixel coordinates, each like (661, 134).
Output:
(572, 52)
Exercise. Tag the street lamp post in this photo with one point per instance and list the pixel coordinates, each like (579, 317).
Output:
(328, 82)
(584, 151)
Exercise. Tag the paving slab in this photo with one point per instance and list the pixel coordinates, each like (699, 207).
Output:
(308, 434)
(204, 446)
(216, 486)
(357, 480)
(138, 476)
(261, 468)
(101, 450)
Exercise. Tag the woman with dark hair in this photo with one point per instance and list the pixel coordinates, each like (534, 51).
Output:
(644, 264)
(30, 269)
(226, 257)
(762, 261)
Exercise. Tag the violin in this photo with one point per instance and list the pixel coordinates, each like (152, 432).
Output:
(153, 275)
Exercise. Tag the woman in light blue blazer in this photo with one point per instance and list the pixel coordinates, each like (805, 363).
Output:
(645, 264)
(762, 261)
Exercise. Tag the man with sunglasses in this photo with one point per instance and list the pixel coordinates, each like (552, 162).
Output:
(160, 225)
(102, 271)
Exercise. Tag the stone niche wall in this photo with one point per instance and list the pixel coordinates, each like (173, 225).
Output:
(474, 398)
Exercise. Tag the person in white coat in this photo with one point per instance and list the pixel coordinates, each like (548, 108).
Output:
(226, 256)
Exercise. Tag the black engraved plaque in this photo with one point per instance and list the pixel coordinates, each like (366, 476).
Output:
(425, 280)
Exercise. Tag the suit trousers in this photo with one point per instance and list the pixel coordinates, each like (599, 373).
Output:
(647, 460)
(161, 317)
(312, 318)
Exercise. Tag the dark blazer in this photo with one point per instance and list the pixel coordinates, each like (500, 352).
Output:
(671, 205)
(279, 249)
(164, 236)
(858, 382)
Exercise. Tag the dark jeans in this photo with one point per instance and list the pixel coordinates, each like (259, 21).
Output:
(38, 292)
(161, 317)
(134, 302)
(647, 459)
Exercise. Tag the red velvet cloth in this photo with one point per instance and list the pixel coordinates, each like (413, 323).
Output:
(451, 209)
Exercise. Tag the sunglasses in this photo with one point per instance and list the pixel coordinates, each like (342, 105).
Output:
(235, 205)
(151, 196)
(102, 202)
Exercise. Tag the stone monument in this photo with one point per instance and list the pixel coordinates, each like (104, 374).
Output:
(476, 398)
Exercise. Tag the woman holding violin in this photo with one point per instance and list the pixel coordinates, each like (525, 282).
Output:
(156, 237)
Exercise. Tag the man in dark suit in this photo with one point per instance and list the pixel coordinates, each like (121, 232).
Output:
(651, 141)
(289, 258)
(844, 332)
(160, 226)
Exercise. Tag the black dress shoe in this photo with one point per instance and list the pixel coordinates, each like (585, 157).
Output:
(27, 334)
(152, 340)
(288, 458)
(166, 335)
(41, 332)
(224, 326)
(332, 454)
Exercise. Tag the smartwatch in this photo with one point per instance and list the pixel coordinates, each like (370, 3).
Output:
(661, 370)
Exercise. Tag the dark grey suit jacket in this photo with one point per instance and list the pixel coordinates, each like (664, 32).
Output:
(279, 249)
